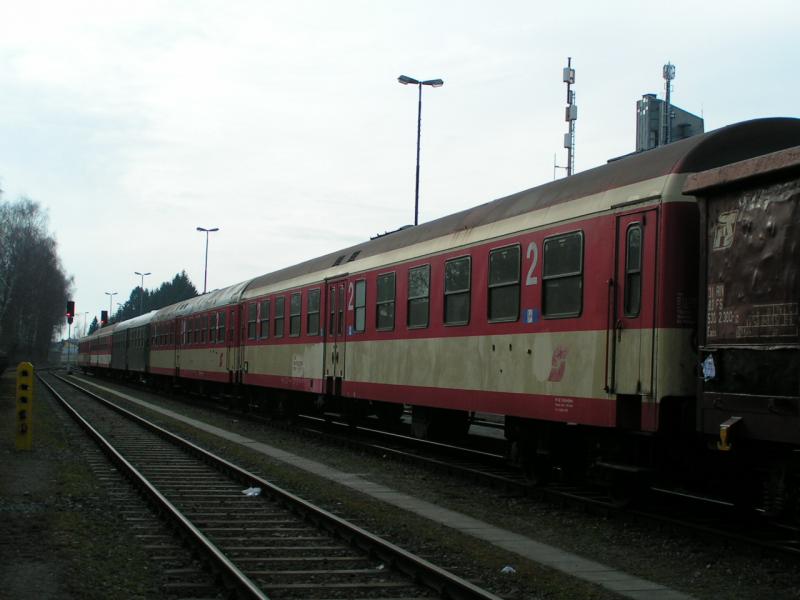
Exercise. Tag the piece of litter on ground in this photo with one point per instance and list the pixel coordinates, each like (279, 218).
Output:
(508, 570)
(252, 491)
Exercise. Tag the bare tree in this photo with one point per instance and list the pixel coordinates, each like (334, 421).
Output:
(33, 285)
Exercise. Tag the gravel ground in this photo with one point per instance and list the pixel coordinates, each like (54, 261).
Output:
(55, 516)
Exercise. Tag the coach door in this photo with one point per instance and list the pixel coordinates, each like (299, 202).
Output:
(335, 335)
(235, 340)
(633, 315)
(179, 327)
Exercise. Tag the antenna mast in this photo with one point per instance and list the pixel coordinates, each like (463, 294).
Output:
(669, 75)
(571, 115)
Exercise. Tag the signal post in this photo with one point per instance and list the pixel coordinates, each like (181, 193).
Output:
(24, 422)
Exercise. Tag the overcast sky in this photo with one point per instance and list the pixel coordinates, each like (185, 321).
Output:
(283, 124)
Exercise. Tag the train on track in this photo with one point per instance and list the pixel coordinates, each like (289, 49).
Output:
(637, 321)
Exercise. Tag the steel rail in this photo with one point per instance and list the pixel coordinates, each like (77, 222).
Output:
(446, 584)
(231, 575)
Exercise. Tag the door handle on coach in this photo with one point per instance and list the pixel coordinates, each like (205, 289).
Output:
(619, 327)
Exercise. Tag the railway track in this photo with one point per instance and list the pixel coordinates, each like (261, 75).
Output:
(717, 520)
(254, 539)
(699, 516)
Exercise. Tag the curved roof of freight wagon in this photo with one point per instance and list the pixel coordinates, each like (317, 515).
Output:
(705, 151)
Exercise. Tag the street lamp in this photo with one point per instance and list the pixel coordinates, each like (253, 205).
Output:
(433, 83)
(110, 298)
(205, 270)
(141, 294)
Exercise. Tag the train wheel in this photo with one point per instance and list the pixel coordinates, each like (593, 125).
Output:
(439, 424)
(537, 468)
(421, 420)
(388, 413)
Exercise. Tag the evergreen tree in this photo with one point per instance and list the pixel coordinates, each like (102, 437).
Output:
(143, 301)
(94, 326)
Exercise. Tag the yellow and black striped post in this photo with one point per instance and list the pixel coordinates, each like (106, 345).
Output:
(24, 422)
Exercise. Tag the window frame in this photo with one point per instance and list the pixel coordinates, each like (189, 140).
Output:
(252, 320)
(359, 309)
(466, 291)
(313, 328)
(280, 316)
(506, 284)
(264, 308)
(391, 302)
(637, 226)
(295, 318)
(221, 326)
(410, 300)
(571, 274)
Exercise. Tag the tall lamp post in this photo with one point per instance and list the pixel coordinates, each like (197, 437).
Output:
(110, 298)
(433, 83)
(205, 269)
(141, 294)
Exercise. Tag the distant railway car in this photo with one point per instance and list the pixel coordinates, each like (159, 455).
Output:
(94, 350)
(131, 345)
(197, 340)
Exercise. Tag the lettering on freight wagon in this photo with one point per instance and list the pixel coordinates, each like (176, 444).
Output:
(724, 229)
(716, 313)
(770, 320)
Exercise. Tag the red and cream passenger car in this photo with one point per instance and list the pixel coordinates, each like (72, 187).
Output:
(572, 305)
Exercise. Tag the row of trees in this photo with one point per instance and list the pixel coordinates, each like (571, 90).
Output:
(33, 284)
(143, 301)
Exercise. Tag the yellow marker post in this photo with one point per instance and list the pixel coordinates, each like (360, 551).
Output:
(24, 422)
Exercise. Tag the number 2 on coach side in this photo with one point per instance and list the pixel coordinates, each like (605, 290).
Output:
(533, 251)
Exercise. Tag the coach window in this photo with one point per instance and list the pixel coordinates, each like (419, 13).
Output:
(361, 306)
(264, 324)
(312, 320)
(212, 328)
(221, 328)
(633, 271)
(457, 279)
(340, 312)
(384, 317)
(562, 278)
(279, 316)
(204, 326)
(252, 320)
(504, 284)
(295, 314)
(419, 279)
